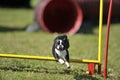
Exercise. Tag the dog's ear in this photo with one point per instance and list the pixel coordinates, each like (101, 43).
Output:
(66, 41)
(65, 37)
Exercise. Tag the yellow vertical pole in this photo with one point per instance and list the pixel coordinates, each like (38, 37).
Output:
(100, 31)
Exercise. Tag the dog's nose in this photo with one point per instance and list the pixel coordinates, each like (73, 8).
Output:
(61, 47)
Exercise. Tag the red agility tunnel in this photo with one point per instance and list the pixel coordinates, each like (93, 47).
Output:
(61, 16)
(66, 16)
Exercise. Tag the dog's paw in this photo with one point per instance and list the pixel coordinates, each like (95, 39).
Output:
(68, 67)
(67, 64)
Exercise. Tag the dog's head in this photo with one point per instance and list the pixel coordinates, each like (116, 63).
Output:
(61, 42)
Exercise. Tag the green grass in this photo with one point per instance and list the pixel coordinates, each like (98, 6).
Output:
(16, 41)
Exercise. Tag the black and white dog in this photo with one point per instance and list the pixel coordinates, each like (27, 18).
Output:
(60, 50)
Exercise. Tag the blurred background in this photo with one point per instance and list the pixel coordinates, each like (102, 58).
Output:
(63, 16)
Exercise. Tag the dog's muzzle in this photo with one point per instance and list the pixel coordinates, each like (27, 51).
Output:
(60, 47)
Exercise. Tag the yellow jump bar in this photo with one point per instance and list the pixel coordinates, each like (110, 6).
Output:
(46, 58)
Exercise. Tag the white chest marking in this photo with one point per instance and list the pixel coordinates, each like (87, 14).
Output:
(62, 54)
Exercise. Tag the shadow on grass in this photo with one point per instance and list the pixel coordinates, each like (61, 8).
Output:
(85, 77)
(77, 75)
(87, 28)
(10, 29)
(35, 70)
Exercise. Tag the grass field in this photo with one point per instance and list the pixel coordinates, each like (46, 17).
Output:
(13, 39)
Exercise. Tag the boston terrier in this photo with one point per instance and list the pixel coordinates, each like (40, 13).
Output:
(60, 50)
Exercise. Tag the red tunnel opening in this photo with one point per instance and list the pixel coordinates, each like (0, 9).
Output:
(61, 16)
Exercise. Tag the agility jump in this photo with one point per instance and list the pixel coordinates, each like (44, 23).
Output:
(91, 63)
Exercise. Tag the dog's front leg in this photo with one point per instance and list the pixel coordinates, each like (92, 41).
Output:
(61, 61)
(67, 64)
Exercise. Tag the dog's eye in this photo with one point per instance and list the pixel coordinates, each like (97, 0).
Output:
(58, 42)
